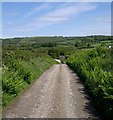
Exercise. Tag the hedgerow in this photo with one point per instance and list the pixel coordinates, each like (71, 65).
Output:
(19, 70)
(95, 69)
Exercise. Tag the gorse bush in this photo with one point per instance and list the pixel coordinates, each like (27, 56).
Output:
(94, 68)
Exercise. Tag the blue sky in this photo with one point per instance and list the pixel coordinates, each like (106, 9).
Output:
(58, 18)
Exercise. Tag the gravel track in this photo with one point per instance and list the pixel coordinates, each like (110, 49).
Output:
(58, 93)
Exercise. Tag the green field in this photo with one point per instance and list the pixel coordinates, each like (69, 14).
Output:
(25, 59)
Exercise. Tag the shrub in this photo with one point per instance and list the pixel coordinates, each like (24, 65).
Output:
(94, 67)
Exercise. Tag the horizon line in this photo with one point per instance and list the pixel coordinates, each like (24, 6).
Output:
(53, 36)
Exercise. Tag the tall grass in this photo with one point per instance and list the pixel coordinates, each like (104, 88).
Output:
(20, 69)
(95, 69)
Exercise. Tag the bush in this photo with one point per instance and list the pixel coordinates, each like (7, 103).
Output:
(94, 67)
(19, 72)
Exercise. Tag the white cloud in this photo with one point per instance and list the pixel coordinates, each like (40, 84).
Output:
(103, 19)
(34, 10)
(63, 13)
(72, 9)
(38, 9)
(52, 19)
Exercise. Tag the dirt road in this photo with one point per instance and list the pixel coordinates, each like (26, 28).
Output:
(58, 93)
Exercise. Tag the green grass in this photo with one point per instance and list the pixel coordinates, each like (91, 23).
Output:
(18, 74)
(25, 59)
(106, 41)
(95, 69)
